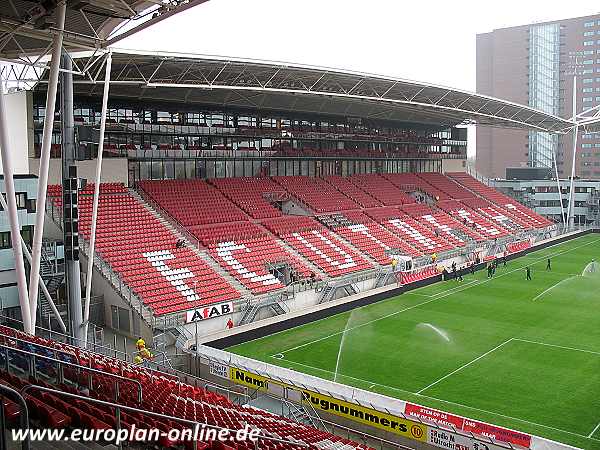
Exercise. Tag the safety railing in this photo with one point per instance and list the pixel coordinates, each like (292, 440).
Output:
(159, 369)
(342, 431)
(60, 364)
(118, 408)
(68, 339)
(7, 391)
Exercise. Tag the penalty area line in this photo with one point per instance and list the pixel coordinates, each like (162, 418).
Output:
(593, 431)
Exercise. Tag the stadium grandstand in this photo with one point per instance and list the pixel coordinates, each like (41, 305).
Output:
(227, 244)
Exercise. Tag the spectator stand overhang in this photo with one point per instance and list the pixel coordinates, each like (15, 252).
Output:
(265, 85)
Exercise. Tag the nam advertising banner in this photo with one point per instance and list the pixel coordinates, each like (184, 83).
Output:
(366, 416)
(451, 441)
(208, 312)
(248, 379)
(468, 425)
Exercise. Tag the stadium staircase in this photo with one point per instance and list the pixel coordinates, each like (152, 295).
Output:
(307, 262)
(65, 387)
(53, 276)
(190, 241)
(272, 303)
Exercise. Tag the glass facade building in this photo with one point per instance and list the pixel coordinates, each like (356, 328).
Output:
(544, 90)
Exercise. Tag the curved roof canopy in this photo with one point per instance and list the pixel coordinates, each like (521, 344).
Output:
(27, 26)
(243, 83)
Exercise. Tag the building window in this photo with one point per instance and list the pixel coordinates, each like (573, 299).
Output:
(587, 99)
(589, 24)
(27, 234)
(588, 43)
(21, 200)
(588, 71)
(587, 90)
(5, 240)
(588, 80)
(588, 62)
(589, 33)
(31, 205)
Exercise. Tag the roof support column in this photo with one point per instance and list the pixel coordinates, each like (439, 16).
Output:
(92, 248)
(571, 209)
(562, 208)
(13, 219)
(45, 163)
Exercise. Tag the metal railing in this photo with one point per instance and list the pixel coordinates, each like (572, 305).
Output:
(341, 430)
(23, 416)
(119, 407)
(68, 339)
(160, 370)
(60, 364)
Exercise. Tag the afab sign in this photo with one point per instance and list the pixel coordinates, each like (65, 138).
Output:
(197, 315)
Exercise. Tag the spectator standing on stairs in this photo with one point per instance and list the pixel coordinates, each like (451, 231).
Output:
(140, 344)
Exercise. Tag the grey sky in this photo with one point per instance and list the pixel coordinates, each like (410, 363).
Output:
(425, 40)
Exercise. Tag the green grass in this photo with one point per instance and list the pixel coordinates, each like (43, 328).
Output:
(516, 353)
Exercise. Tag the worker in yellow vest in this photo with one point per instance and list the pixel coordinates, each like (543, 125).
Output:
(140, 344)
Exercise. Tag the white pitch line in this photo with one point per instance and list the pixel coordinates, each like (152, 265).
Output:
(528, 422)
(463, 288)
(460, 287)
(558, 346)
(593, 431)
(549, 289)
(464, 366)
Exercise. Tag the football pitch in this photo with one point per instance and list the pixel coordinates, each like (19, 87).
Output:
(516, 353)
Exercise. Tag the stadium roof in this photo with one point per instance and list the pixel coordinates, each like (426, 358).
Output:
(245, 83)
(28, 26)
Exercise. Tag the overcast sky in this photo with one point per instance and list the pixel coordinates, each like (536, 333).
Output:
(425, 40)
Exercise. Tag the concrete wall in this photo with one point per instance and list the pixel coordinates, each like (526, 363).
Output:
(16, 117)
(9, 296)
(454, 165)
(114, 170)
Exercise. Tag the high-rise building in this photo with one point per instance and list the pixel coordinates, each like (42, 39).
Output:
(533, 65)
